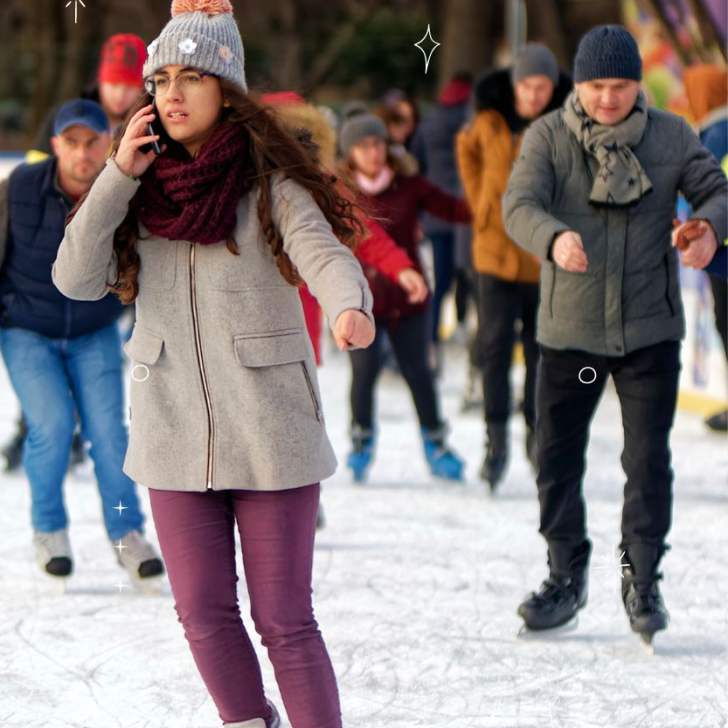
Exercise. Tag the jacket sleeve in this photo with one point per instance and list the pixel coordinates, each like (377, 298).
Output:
(528, 197)
(703, 183)
(715, 140)
(329, 268)
(441, 204)
(4, 219)
(381, 252)
(471, 162)
(86, 264)
(718, 266)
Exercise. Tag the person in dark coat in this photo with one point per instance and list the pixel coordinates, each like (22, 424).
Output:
(63, 356)
(593, 195)
(434, 148)
(118, 84)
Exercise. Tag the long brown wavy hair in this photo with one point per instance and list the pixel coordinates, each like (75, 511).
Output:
(271, 149)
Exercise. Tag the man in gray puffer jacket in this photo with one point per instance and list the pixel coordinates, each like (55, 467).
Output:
(593, 195)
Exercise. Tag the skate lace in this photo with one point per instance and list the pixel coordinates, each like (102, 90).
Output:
(550, 588)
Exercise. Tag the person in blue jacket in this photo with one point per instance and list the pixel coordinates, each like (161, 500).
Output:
(64, 357)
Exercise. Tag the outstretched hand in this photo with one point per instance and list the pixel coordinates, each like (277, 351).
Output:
(696, 241)
(353, 330)
(414, 284)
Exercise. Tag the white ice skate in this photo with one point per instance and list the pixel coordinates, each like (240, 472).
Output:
(275, 721)
(135, 554)
(53, 553)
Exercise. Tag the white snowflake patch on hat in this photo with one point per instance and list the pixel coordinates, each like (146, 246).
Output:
(226, 54)
(187, 46)
(152, 47)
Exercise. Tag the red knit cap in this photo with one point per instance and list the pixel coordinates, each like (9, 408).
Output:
(122, 58)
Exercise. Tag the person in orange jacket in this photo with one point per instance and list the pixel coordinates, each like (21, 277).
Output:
(506, 101)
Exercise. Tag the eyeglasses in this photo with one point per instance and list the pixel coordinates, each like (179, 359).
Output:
(159, 84)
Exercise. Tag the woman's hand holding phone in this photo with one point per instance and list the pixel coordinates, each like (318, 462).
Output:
(129, 157)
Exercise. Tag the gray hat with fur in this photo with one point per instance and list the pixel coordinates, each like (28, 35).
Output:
(359, 127)
(202, 34)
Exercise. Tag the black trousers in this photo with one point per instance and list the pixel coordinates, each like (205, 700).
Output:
(646, 381)
(410, 338)
(501, 304)
(720, 299)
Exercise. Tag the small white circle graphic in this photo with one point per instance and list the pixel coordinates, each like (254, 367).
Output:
(587, 375)
(140, 373)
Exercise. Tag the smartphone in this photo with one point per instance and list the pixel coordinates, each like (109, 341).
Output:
(153, 128)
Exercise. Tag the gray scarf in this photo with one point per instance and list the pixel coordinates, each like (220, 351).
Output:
(620, 179)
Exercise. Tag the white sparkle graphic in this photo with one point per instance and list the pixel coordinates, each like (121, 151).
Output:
(120, 546)
(616, 562)
(121, 507)
(75, 8)
(426, 54)
(121, 587)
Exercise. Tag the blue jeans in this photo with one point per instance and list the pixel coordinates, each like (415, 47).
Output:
(54, 379)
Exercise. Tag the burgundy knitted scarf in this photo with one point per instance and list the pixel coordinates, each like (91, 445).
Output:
(181, 198)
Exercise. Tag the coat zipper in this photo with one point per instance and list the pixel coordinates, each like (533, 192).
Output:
(201, 367)
(311, 391)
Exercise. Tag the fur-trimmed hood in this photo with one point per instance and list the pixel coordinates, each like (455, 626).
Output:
(494, 91)
(306, 117)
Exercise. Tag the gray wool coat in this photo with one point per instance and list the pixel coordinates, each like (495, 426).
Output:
(629, 297)
(224, 393)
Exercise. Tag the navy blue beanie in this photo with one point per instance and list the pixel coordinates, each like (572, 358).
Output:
(607, 51)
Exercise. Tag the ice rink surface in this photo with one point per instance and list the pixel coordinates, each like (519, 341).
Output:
(417, 584)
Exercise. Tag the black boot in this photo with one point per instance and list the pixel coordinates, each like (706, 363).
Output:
(562, 595)
(641, 591)
(718, 422)
(496, 455)
(78, 451)
(12, 452)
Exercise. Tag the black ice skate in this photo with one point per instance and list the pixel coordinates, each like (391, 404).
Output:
(496, 455)
(561, 596)
(641, 596)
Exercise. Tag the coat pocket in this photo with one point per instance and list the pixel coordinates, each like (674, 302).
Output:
(144, 346)
(144, 349)
(277, 348)
(271, 348)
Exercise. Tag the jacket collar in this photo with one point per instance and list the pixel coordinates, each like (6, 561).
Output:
(494, 92)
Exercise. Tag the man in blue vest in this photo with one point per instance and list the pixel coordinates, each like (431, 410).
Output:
(64, 357)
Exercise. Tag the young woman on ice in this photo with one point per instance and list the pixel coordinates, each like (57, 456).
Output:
(396, 198)
(226, 423)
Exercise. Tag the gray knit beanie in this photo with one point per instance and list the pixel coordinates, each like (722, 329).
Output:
(535, 59)
(607, 51)
(202, 34)
(357, 128)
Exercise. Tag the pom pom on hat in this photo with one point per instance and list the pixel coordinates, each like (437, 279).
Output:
(211, 7)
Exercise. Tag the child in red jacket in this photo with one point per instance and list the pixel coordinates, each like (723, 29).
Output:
(397, 199)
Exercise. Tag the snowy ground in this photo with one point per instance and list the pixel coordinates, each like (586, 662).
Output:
(417, 584)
